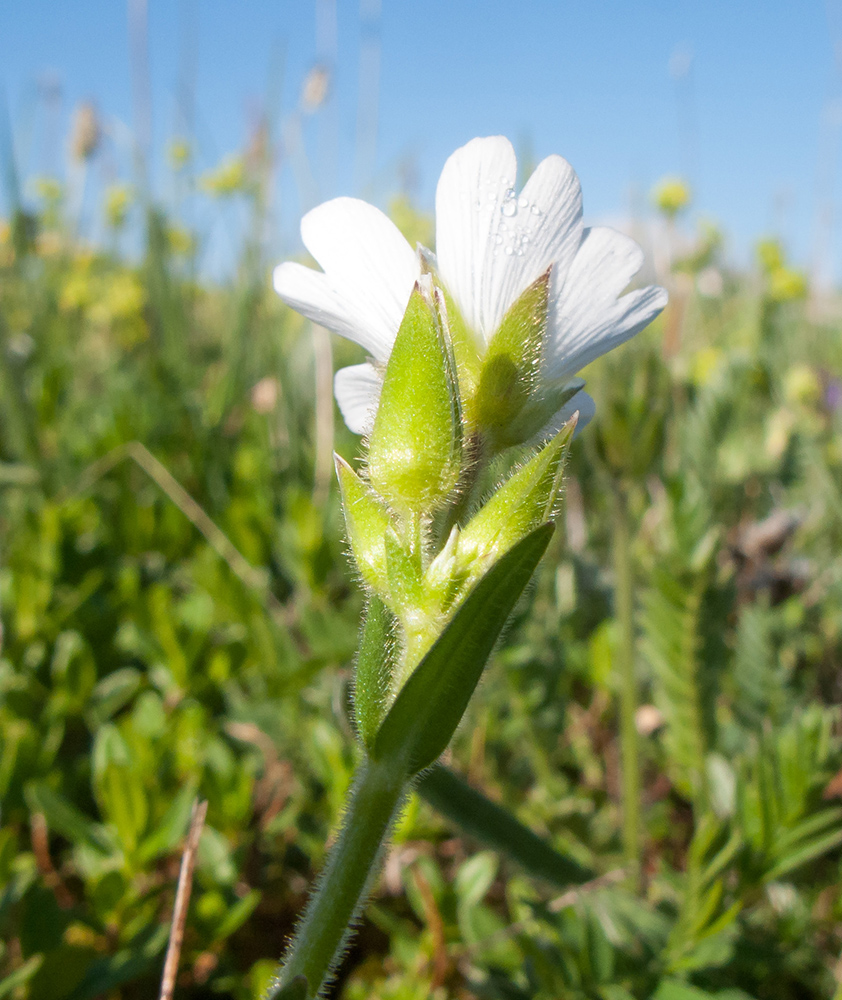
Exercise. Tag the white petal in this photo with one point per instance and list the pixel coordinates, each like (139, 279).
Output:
(312, 294)
(357, 390)
(586, 319)
(492, 243)
(369, 272)
(469, 197)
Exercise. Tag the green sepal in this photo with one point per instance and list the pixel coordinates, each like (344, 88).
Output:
(512, 363)
(367, 520)
(497, 828)
(413, 451)
(523, 501)
(373, 670)
(542, 406)
(466, 349)
(431, 703)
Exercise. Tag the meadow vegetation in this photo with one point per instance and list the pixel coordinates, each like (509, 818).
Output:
(179, 619)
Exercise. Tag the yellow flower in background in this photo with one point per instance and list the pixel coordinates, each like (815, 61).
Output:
(225, 180)
(802, 386)
(50, 194)
(671, 195)
(179, 154)
(121, 297)
(784, 284)
(704, 365)
(7, 253)
(180, 240)
(770, 255)
(118, 201)
(77, 292)
(48, 190)
(780, 426)
(118, 306)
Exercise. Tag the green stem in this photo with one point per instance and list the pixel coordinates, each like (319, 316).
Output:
(343, 886)
(624, 609)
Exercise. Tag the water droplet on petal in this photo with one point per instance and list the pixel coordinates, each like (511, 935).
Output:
(509, 206)
(523, 202)
(509, 251)
(535, 210)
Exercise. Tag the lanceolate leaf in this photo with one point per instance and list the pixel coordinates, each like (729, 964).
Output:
(64, 818)
(295, 990)
(427, 711)
(495, 826)
(373, 674)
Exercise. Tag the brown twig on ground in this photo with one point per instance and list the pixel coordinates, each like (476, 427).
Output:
(436, 926)
(182, 899)
(40, 838)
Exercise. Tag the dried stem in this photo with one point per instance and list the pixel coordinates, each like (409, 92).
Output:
(182, 899)
(41, 849)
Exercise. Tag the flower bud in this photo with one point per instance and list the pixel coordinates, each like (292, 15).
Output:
(413, 457)
(524, 501)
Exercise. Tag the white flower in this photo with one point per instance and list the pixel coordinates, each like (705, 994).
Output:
(492, 243)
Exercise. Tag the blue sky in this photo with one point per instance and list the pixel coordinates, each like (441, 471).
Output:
(752, 122)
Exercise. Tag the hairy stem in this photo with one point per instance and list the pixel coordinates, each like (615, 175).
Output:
(346, 880)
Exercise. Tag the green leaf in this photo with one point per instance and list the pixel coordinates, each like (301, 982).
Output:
(413, 458)
(11, 983)
(123, 802)
(294, 990)
(428, 708)
(802, 855)
(111, 694)
(373, 671)
(129, 963)
(674, 989)
(237, 915)
(496, 827)
(66, 819)
(170, 828)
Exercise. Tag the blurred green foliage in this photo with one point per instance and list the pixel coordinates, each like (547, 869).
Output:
(178, 622)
